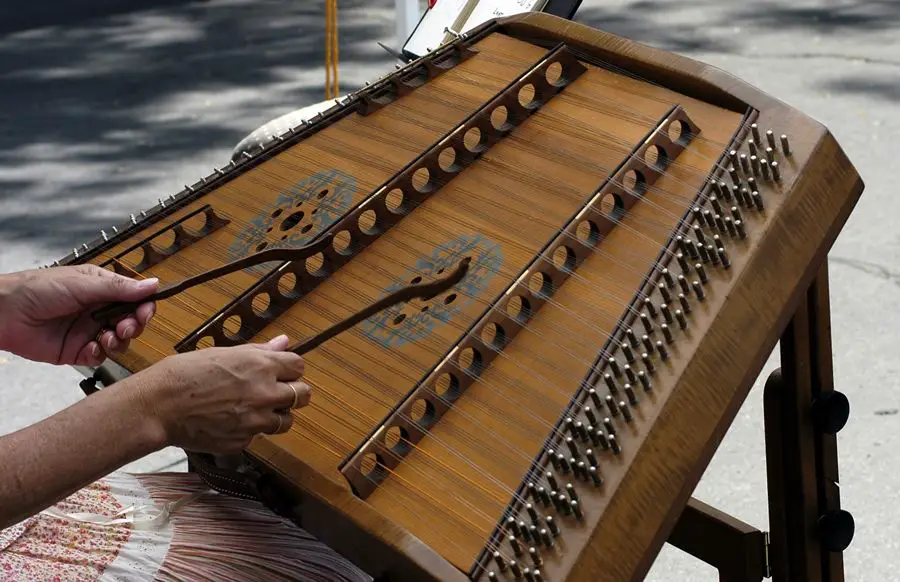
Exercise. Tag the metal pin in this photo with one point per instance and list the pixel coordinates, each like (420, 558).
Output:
(611, 384)
(595, 440)
(573, 446)
(133, 219)
(667, 313)
(745, 164)
(723, 257)
(514, 568)
(732, 155)
(614, 366)
(651, 309)
(632, 337)
(648, 325)
(738, 194)
(532, 513)
(648, 344)
(703, 254)
(581, 470)
(537, 576)
(648, 363)
(545, 496)
(720, 224)
(701, 272)
(711, 250)
(682, 322)
(754, 129)
(595, 476)
(764, 165)
(614, 444)
(729, 226)
(551, 480)
(535, 556)
(589, 413)
(667, 333)
(629, 373)
(735, 177)
(690, 249)
(595, 398)
(714, 202)
(753, 150)
(551, 524)
(770, 137)
(570, 491)
(581, 431)
(724, 189)
(736, 213)
(513, 526)
(545, 536)
(591, 458)
(611, 404)
(739, 225)
(103, 234)
(708, 218)
(632, 397)
(776, 172)
(115, 230)
(501, 564)
(754, 163)
(682, 262)
(563, 504)
(645, 381)
(785, 145)
(602, 441)
(563, 463)
(667, 277)
(717, 240)
(516, 547)
(626, 412)
(553, 459)
(626, 350)
(682, 282)
(698, 291)
(757, 200)
(682, 298)
(84, 246)
(608, 425)
(682, 244)
(698, 232)
(663, 352)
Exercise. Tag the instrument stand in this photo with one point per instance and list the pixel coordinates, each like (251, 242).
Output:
(803, 413)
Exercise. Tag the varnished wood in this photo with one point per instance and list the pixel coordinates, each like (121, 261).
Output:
(434, 516)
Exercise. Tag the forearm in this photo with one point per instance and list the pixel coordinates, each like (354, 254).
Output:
(52, 459)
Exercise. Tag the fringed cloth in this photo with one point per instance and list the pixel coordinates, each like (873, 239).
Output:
(211, 537)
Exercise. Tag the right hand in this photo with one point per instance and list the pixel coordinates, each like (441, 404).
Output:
(216, 400)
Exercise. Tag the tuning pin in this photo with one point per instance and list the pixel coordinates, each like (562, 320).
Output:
(103, 234)
(626, 351)
(754, 129)
(701, 272)
(685, 306)
(682, 321)
(664, 292)
(745, 164)
(723, 258)
(648, 344)
(535, 556)
(757, 200)
(776, 171)
(648, 325)
(611, 404)
(764, 166)
(785, 145)
(667, 333)
(651, 309)
(663, 352)
(682, 282)
(626, 411)
(501, 563)
(682, 262)
(698, 291)
(739, 225)
(611, 384)
(648, 363)
(614, 444)
(589, 413)
(614, 366)
(667, 313)
(632, 337)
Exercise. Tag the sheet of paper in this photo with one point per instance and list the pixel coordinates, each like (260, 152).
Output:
(430, 31)
(489, 9)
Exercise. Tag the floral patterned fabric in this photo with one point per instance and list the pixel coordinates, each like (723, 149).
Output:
(211, 537)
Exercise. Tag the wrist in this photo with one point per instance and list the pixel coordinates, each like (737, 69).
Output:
(148, 432)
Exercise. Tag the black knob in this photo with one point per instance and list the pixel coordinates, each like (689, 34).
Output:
(836, 530)
(830, 412)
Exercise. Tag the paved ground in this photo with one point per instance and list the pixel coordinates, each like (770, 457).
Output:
(101, 117)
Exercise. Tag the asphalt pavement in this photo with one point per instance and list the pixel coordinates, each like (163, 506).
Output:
(102, 115)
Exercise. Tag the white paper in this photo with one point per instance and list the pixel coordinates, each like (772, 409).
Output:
(430, 32)
(490, 9)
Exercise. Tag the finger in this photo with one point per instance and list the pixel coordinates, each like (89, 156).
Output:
(145, 313)
(93, 284)
(127, 328)
(90, 355)
(276, 344)
(290, 395)
(279, 422)
(110, 343)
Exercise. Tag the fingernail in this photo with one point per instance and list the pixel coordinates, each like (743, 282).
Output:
(95, 351)
(278, 339)
(128, 332)
(147, 282)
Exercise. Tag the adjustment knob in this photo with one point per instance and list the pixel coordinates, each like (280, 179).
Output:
(836, 529)
(830, 412)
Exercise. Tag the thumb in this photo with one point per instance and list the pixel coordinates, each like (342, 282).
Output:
(276, 344)
(111, 288)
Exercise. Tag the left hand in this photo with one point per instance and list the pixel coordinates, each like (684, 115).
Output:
(45, 314)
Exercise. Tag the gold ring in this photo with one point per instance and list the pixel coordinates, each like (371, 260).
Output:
(296, 395)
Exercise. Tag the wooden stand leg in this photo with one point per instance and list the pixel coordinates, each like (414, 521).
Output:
(803, 413)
